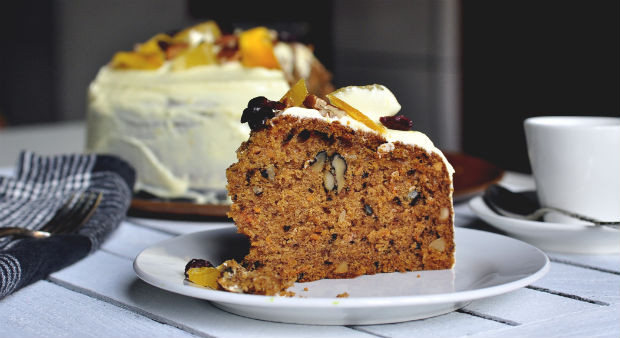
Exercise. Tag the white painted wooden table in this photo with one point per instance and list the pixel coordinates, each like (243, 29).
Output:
(101, 296)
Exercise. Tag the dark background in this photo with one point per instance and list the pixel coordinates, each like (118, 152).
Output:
(26, 63)
(530, 58)
(513, 59)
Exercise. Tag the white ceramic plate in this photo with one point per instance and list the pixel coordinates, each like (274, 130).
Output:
(487, 264)
(558, 237)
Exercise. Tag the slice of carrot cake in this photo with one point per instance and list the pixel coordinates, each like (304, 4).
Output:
(340, 188)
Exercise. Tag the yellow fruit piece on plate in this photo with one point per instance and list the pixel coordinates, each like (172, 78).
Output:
(135, 60)
(197, 56)
(296, 95)
(206, 276)
(204, 32)
(256, 47)
(355, 114)
(152, 46)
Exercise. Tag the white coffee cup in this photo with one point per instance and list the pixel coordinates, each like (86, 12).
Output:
(576, 163)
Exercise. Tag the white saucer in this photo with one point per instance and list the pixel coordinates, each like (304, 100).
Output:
(487, 264)
(558, 237)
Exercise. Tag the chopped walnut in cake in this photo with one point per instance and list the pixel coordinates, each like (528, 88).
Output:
(333, 167)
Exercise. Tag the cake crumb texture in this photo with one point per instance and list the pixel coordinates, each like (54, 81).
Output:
(235, 278)
(321, 200)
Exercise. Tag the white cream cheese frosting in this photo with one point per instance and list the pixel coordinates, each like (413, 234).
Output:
(180, 130)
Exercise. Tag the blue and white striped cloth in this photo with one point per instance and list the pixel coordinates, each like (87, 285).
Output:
(29, 199)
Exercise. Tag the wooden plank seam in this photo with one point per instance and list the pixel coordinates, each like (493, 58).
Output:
(353, 327)
(568, 295)
(158, 229)
(585, 266)
(116, 254)
(488, 317)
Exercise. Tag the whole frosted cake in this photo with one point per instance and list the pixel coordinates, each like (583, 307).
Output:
(171, 107)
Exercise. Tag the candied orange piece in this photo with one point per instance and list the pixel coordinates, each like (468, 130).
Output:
(206, 276)
(354, 113)
(204, 32)
(152, 46)
(148, 55)
(135, 60)
(197, 56)
(256, 47)
(296, 95)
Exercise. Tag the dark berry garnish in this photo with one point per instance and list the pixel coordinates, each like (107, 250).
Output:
(259, 111)
(398, 122)
(197, 263)
(276, 105)
(258, 101)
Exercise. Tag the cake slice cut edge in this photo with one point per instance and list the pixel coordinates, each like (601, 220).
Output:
(321, 195)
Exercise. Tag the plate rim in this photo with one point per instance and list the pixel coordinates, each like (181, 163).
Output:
(353, 302)
(479, 208)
